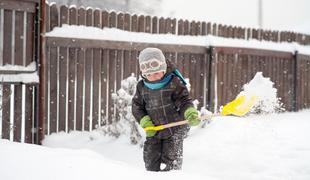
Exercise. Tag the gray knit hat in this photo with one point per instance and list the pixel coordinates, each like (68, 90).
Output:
(152, 60)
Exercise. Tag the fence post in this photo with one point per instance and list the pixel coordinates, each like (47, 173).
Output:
(41, 61)
(295, 57)
(210, 78)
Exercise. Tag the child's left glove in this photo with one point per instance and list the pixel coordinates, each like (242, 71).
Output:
(191, 114)
(147, 122)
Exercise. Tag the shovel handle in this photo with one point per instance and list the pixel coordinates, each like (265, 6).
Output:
(178, 123)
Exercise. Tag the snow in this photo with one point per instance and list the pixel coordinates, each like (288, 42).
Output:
(113, 34)
(10, 67)
(273, 146)
(24, 74)
(20, 78)
(262, 88)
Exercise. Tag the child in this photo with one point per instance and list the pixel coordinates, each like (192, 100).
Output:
(161, 98)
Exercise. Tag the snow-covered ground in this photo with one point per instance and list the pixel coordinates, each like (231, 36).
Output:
(274, 146)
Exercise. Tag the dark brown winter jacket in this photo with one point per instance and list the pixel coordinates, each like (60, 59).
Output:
(164, 105)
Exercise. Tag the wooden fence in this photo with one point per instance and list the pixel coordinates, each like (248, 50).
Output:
(81, 75)
(56, 16)
(235, 67)
(17, 46)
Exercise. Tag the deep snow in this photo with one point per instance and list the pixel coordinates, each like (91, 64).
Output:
(274, 146)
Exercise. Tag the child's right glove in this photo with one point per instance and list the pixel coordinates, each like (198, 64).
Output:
(191, 114)
(147, 122)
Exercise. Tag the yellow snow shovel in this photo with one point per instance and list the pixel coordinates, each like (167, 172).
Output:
(238, 107)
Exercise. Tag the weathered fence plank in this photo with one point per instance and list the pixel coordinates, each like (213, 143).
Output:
(71, 107)
(80, 72)
(96, 83)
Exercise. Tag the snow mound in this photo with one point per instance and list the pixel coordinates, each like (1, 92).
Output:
(255, 147)
(262, 87)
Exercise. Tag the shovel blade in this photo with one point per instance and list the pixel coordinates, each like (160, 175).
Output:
(240, 106)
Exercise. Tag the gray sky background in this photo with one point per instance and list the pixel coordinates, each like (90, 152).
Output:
(277, 14)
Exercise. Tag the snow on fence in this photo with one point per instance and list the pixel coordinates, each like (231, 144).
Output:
(18, 75)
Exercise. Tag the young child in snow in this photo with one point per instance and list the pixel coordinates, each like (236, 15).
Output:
(161, 98)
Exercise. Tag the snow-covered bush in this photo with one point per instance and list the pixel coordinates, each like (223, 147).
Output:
(124, 123)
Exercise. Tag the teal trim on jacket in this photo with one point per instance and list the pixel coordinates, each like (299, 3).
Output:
(162, 83)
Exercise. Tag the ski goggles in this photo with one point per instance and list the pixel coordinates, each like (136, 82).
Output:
(150, 65)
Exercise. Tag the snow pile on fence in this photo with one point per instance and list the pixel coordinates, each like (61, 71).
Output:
(113, 34)
(19, 74)
(262, 87)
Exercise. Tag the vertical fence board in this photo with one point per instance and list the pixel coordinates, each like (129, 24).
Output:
(148, 24)
(221, 75)
(104, 86)
(29, 114)
(47, 18)
(161, 25)
(81, 16)
(63, 63)
(71, 88)
(127, 22)
(180, 27)
(73, 19)
(230, 80)
(141, 23)
(53, 17)
(87, 81)
(79, 88)
(53, 89)
(96, 78)
(6, 102)
(112, 84)
(105, 19)
(89, 17)
(7, 37)
(64, 15)
(200, 77)
(97, 20)
(17, 112)
(134, 23)
(155, 25)
(29, 38)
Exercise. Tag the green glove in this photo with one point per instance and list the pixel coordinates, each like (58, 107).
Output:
(147, 122)
(191, 114)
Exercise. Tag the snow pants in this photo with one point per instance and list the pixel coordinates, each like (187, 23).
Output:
(163, 154)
